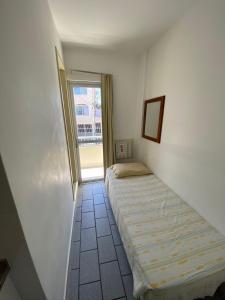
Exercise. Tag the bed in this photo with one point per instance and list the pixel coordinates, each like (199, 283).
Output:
(174, 253)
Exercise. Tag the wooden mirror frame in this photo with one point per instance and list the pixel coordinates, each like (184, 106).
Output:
(146, 102)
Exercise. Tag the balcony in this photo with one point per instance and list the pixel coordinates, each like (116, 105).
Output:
(91, 158)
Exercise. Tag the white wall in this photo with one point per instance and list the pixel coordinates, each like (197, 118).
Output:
(33, 143)
(124, 70)
(23, 277)
(188, 66)
(10, 229)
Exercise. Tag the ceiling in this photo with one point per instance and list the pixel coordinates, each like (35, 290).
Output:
(129, 25)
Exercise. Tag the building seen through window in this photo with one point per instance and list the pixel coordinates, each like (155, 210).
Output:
(88, 113)
(82, 110)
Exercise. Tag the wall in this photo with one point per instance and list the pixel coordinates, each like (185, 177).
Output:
(23, 277)
(33, 143)
(8, 291)
(188, 66)
(123, 68)
(10, 230)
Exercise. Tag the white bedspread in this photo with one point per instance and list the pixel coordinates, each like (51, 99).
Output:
(174, 253)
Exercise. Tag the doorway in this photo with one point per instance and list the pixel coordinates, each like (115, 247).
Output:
(88, 114)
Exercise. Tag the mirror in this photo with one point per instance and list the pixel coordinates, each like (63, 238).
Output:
(153, 118)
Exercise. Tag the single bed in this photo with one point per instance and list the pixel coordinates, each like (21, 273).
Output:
(174, 253)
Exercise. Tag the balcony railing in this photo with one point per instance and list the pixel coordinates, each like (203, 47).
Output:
(89, 140)
(91, 155)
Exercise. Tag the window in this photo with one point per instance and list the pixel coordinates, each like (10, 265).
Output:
(80, 129)
(80, 91)
(98, 112)
(82, 110)
(98, 129)
(84, 130)
(88, 129)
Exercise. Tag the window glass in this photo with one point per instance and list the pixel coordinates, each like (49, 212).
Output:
(85, 130)
(80, 91)
(82, 110)
(98, 112)
(98, 129)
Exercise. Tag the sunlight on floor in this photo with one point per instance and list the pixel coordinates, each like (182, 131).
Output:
(92, 173)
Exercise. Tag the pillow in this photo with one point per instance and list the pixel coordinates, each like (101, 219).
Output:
(130, 169)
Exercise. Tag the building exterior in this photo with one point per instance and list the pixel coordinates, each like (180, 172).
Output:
(88, 113)
(87, 102)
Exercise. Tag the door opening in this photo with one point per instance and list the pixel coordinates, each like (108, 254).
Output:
(88, 112)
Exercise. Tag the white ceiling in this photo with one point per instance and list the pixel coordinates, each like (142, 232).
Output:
(130, 25)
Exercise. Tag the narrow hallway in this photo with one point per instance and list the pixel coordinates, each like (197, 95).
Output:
(98, 268)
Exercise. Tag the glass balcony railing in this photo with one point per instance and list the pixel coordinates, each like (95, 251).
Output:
(89, 140)
(91, 159)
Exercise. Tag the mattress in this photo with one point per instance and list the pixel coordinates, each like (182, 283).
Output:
(174, 253)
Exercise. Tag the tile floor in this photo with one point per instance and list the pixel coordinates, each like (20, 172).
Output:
(98, 268)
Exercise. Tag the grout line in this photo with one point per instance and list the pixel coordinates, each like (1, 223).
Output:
(74, 253)
(79, 252)
(121, 274)
(80, 247)
(98, 258)
(83, 228)
(99, 203)
(73, 269)
(117, 255)
(104, 235)
(101, 218)
(88, 250)
(83, 212)
(106, 262)
(89, 282)
(91, 199)
(99, 193)
(98, 253)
